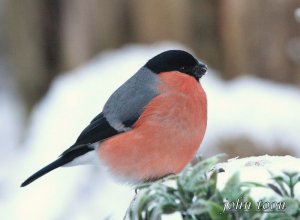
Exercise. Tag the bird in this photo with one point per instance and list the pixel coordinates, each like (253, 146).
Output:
(150, 127)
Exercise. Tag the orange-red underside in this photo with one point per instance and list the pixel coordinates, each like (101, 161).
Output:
(166, 136)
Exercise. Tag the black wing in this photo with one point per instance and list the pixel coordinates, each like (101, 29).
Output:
(98, 130)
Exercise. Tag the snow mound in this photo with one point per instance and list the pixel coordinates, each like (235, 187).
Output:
(257, 169)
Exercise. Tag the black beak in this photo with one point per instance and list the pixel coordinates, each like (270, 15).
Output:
(200, 70)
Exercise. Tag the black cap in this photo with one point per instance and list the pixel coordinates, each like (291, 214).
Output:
(177, 60)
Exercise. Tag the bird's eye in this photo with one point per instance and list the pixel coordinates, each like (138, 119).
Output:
(182, 68)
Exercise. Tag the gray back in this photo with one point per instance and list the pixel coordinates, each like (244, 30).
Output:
(127, 103)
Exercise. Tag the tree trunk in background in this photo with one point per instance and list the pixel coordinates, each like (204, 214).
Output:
(204, 32)
(231, 37)
(25, 35)
(156, 20)
(89, 27)
(255, 38)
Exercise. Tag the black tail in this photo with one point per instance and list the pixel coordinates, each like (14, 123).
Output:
(55, 164)
(62, 160)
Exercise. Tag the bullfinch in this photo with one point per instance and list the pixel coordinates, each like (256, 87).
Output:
(151, 126)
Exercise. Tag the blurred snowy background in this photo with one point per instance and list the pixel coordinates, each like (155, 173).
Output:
(60, 61)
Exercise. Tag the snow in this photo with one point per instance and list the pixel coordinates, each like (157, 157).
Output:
(11, 124)
(256, 169)
(264, 111)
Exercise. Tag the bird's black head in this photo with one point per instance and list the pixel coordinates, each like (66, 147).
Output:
(177, 60)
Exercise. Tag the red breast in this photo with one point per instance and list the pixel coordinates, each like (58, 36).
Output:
(166, 136)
